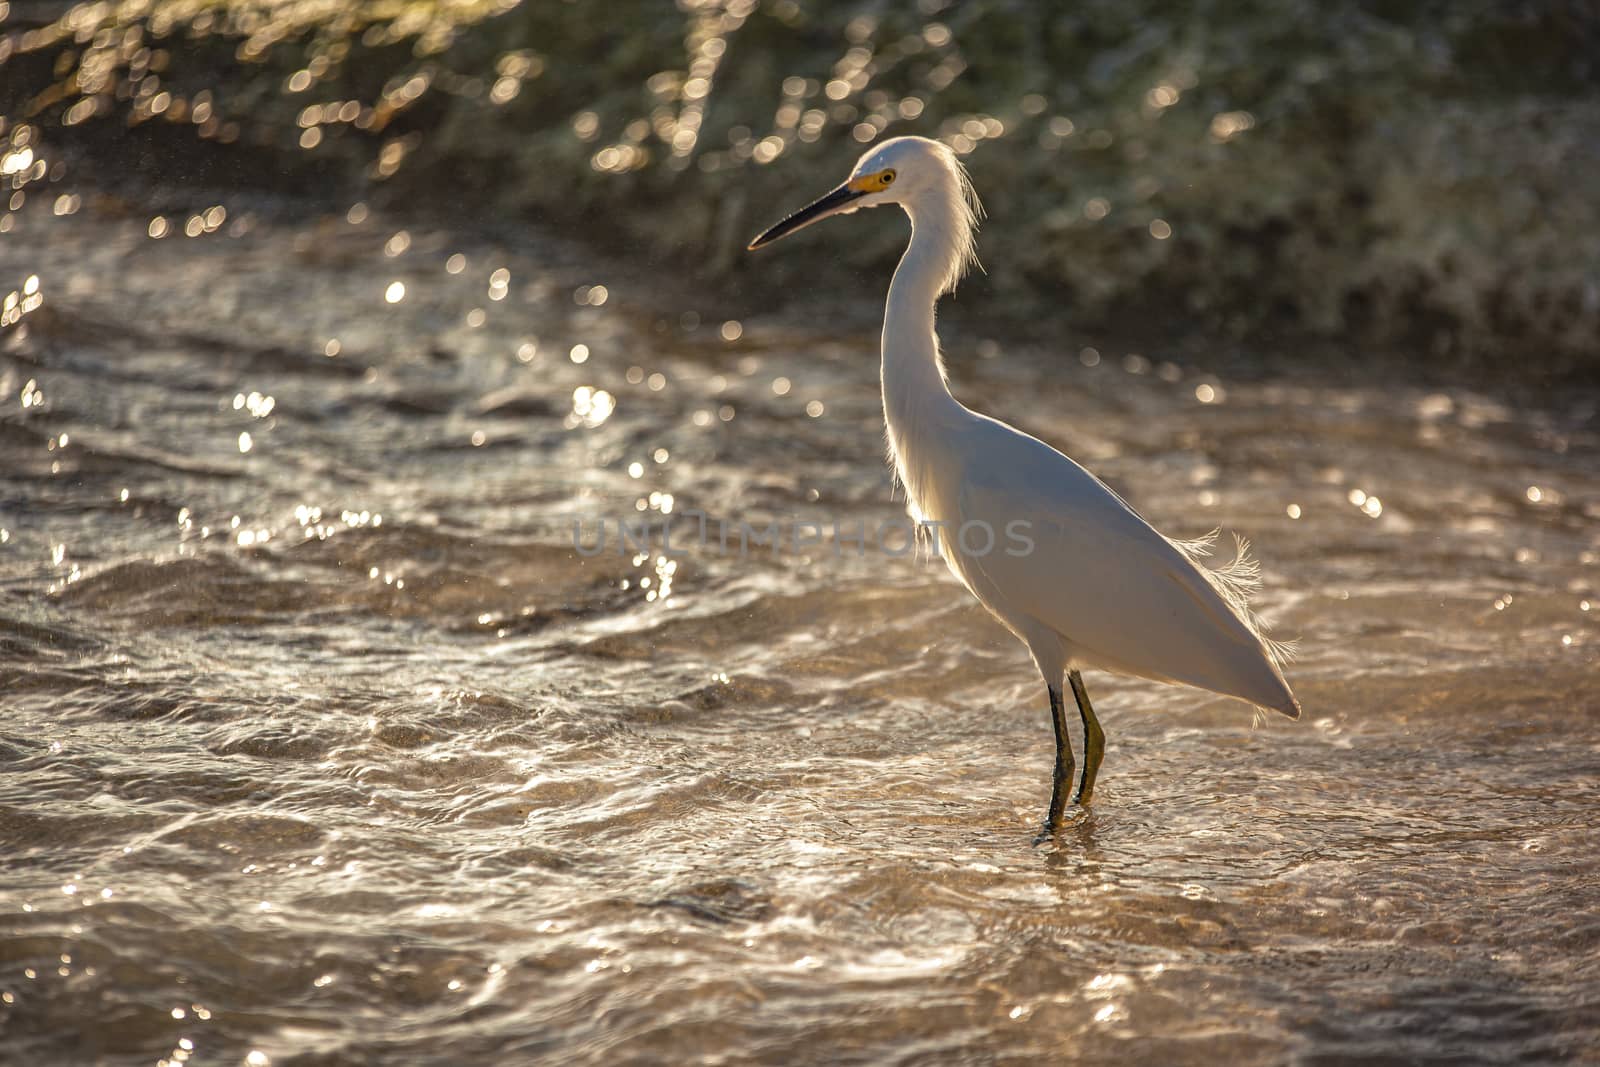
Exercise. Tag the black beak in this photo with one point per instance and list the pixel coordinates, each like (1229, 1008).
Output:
(832, 204)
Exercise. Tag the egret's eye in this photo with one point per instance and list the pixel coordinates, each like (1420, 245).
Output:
(887, 177)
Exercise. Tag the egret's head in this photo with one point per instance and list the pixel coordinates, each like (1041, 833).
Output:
(920, 175)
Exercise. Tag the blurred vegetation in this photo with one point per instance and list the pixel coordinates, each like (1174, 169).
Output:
(1420, 174)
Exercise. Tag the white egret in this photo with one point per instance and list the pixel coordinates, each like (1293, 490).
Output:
(1088, 583)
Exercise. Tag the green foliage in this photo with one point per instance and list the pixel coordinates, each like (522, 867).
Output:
(1404, 172)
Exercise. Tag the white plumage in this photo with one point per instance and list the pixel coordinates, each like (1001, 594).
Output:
(1099, 587)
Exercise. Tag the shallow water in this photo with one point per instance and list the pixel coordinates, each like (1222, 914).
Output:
(321, 741)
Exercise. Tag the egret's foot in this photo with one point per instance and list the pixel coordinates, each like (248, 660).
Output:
(1051, 829)
(1061, 781)
(1091, 768)
(1094, 751)
(1094, 741)
(1060, 791)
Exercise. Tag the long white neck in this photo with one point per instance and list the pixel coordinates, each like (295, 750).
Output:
(915, 396)
(914, 383)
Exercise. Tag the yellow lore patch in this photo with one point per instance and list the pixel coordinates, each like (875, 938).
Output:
(872, 183)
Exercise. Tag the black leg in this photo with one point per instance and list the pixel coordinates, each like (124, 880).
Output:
(1094, 739)
(1062, 783)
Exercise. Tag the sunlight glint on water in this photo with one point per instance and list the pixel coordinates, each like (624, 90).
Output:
(323, 738)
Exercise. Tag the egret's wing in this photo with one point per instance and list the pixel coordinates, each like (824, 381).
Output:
(1124, 597)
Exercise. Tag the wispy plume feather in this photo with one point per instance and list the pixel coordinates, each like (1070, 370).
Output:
(966, 211)
(1237, 582)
